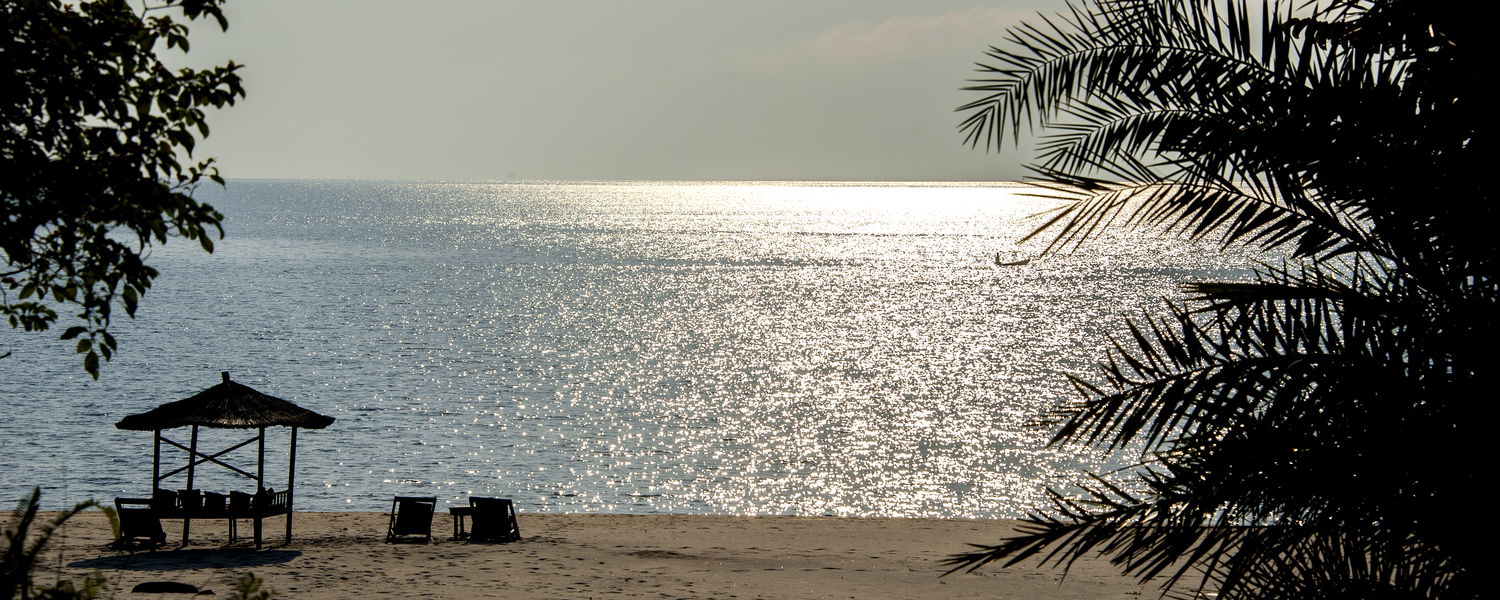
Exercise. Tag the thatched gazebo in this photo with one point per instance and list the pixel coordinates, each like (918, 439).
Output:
(228, 405)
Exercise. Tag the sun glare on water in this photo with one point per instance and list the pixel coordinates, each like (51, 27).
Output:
(727, 348)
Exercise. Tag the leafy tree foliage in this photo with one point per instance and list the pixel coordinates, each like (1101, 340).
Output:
(94, 130)
(1311, 433)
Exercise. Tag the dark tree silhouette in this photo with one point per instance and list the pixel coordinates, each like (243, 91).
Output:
(93, 132)
(1311, 433)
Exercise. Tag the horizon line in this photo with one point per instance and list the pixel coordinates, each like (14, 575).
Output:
(892, 182)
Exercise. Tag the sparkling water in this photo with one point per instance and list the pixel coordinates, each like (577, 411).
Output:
(677, 347)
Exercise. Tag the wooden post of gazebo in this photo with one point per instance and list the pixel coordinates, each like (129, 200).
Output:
(227, 405)
(260, 480)
(291, 478)
(156, 463)
(192, 462)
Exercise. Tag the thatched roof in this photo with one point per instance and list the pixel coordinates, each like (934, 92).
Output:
(227, 405)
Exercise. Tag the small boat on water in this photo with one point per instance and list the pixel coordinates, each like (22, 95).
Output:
(1014, 263)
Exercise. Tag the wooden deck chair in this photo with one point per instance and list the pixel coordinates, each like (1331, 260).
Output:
(164, 502)
(238, 508)
(190, 501)
(411, 516)
(140, 527)
(214, 504)
(494, 520)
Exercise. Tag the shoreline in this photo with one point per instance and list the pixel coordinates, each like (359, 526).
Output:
(343, 554)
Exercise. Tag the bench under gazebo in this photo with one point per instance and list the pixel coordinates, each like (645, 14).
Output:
(228, 405)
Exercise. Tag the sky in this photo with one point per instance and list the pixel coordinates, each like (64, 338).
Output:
(605, 89)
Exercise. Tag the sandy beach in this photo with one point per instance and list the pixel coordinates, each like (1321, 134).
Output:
(343, 555)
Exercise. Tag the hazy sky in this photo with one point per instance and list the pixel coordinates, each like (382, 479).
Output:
(605, 89)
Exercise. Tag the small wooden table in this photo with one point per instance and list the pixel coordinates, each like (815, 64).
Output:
(460, 515)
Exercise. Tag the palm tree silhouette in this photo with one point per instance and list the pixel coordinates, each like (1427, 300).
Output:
(1310, 433)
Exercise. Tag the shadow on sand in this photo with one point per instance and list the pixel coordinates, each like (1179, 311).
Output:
(182, 560)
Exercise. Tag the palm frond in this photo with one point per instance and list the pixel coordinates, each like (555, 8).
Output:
(1210, 87)
(1263, 412)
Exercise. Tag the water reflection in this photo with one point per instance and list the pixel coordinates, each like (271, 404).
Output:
(723, 348)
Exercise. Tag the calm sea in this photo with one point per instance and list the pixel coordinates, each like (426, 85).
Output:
(714, 348)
